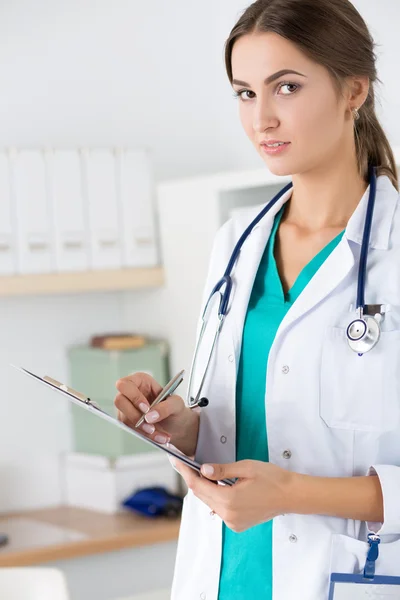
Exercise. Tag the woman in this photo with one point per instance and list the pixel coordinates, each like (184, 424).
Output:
(310, 429)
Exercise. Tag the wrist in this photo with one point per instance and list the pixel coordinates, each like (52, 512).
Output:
(298, 493)
(310, 494)
(186, 440)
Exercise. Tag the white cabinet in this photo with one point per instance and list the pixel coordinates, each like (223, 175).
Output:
(8, 255)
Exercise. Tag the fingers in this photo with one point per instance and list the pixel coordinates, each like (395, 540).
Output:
(129, 415)
(173, 405)
(136, 393)
(142, 382)
(243, 469)
(130, 390)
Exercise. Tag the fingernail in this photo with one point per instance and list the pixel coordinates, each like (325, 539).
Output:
(207, 470)
(143, 407)
(152, 416)
(161, 439)
(148, 428)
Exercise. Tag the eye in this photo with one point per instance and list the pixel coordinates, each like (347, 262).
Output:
(288, 84)
(292, 87)
(239, 95)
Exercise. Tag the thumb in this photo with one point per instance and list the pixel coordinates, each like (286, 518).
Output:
(226, 471)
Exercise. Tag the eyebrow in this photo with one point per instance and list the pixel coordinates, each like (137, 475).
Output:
(271, 78)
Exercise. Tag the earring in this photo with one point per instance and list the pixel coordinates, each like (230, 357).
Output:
(356, 114)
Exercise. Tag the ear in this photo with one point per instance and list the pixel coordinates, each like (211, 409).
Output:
(357, 90)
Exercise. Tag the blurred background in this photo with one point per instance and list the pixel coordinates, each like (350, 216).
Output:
(121, 156)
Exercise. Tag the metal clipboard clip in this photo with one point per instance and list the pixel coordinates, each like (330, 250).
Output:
(71, 392)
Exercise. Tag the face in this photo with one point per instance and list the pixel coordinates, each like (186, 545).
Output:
(302, 109)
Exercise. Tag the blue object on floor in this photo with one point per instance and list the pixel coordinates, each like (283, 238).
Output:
(154, 502)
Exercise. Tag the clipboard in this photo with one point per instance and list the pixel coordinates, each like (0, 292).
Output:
(87, 404)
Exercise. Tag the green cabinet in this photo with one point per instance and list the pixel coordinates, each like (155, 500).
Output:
(94, 372)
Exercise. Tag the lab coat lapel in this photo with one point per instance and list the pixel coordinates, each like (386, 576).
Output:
(341, 261)
(246, 268)
(331, 273)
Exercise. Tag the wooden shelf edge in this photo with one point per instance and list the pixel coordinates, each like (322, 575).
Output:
(80, 282)
(168, 532)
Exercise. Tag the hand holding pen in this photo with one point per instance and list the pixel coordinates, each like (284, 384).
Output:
(160, 414)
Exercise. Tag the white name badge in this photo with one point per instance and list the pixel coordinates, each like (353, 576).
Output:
(357, 587)
(366, 585)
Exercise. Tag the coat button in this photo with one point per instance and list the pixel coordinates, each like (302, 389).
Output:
(293, 538)
(285, 369)
(230, 358)
(222, 439)
(286, 454)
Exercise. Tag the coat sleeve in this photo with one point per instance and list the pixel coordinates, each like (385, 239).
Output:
(389, 478)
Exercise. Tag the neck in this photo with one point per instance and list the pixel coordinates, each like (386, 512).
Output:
(326, 196)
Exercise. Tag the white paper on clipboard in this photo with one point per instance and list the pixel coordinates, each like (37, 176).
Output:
(86, 404)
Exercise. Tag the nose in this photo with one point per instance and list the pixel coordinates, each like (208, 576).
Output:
(263, 117)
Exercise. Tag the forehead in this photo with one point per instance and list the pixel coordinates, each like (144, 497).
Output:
(265, 53)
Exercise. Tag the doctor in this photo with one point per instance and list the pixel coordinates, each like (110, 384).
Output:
(310, 427)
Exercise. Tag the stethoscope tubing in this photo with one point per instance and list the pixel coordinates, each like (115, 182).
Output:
(226, 280)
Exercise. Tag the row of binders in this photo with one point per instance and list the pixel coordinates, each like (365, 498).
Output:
(76, 210)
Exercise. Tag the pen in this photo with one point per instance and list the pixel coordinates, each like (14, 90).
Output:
(165, 392)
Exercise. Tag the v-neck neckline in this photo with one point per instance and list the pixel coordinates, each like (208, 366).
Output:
(306, 273)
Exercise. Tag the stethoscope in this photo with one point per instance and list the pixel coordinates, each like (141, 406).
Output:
(362, 333)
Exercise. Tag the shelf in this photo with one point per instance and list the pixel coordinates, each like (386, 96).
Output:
(63, 532)
(79, 282)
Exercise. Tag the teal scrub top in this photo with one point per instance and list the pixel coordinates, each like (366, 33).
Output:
(246, 562)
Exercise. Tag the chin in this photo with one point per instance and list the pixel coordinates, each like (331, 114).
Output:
(279, 168)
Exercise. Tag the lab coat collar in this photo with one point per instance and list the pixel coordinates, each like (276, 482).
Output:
(384, 210)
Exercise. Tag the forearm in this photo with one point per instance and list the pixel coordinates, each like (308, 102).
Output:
(358, 498)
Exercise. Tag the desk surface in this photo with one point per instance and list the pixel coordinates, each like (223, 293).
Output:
(63, 532)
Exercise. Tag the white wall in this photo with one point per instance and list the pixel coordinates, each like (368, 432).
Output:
(34, 423)
(113, 72)
(146, 73)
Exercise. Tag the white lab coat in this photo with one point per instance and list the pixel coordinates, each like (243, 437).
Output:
(337, 413)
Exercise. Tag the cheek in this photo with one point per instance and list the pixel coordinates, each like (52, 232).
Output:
(316, 121)
(246, 120)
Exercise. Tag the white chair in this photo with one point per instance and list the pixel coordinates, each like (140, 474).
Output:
(32, 583)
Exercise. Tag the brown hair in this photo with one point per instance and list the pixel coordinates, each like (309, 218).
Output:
(333, 34)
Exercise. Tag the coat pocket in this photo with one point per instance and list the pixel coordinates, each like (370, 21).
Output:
(348, 555)
(360, 392)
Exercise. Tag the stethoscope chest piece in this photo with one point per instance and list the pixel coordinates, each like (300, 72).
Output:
(364, 333)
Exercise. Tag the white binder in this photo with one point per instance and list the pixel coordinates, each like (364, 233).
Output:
(104, 215)
(33, 223)
(69, 211)
(137, 206)
(7, 235)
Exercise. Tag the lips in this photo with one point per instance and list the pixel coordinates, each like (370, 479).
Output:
(271, 142)
(274, 150)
